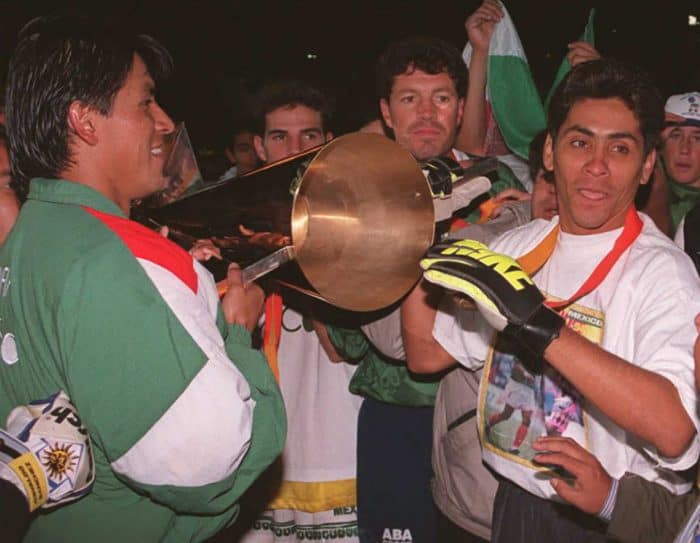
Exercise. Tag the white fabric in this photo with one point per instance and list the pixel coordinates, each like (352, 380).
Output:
(649, 301)
(504, 42)
(679, 238)
(385, 335)
(321, 412)
(203, 437)
(290, 526)
(519, 395)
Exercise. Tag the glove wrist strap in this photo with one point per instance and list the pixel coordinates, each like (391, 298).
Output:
(539, 331)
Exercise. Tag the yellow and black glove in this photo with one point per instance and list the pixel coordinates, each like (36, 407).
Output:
(505, 295)
(441, 173)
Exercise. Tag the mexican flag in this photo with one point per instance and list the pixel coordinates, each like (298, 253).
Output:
(511, 94)
(587, 36)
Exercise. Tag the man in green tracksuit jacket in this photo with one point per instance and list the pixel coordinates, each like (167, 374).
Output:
(182, 412)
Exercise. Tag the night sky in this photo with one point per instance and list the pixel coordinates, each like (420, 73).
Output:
(224, 50)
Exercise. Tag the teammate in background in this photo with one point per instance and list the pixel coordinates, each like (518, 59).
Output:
(680, 156)
(310, 493)
(241, 153)
(290, 117)
(421, 82)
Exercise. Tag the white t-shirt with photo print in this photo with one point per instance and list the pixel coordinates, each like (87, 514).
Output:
(645, 308)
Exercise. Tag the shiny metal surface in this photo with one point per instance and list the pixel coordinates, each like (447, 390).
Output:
(361, 220)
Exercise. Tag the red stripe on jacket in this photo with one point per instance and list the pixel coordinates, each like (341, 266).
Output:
(149, 245)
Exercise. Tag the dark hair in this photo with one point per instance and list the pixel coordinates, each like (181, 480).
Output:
(431, 55)
(58, 61)
(535, 158)
(237, 131)
(289, 93)
(607, 78)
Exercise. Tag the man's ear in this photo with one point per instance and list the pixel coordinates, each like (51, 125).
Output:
(329, 136)
(460, 112)
(648, 167)
(548, 154)
(81, 120)
(259, 148)
(386, 114)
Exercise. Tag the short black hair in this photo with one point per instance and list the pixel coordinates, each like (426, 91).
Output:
(426, 53)
(535, 159)
(237, 130)
(290, 93)
(609, 78)
(57, 61)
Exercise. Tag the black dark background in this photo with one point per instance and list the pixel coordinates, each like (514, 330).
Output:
(224, 50)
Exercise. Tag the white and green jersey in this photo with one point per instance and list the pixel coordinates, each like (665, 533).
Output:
(182, 413)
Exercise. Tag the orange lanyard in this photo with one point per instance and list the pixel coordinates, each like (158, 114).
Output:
(535, 259)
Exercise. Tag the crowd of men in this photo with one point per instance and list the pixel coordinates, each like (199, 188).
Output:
(539, 383)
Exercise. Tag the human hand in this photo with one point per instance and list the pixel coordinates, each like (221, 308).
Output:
(508, 195)
(580, 52)
(481, 23)
(325, 341)
(503, 292)
(242, 304)
(204, 249)
(46, 452)
(592, 485)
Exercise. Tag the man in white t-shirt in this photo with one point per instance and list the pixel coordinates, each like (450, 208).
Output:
(622, 366)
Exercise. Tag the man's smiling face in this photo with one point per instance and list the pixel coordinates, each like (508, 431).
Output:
(598, 161)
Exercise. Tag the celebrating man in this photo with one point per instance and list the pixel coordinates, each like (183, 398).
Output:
(627, 299)
(182, 413)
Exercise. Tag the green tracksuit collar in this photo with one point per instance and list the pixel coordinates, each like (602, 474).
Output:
(682, 199)
(60, 191)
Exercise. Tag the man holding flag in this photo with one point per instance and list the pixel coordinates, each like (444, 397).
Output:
(503, 110)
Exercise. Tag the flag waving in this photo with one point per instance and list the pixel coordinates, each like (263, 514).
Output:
(589, 37)
(512, 98)
(510, 91)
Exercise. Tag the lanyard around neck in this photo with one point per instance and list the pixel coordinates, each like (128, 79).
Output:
(537, 257)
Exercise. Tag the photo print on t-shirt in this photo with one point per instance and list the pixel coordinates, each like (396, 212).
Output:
(518, 405)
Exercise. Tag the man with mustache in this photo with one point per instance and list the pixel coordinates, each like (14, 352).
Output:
(421, 83)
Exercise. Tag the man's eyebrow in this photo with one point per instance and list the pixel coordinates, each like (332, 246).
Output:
(444, 89)
(611, 136)
(276, 131)
(311, 130)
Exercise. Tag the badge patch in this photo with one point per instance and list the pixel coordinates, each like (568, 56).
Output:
(59, 460)
(8, 349)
